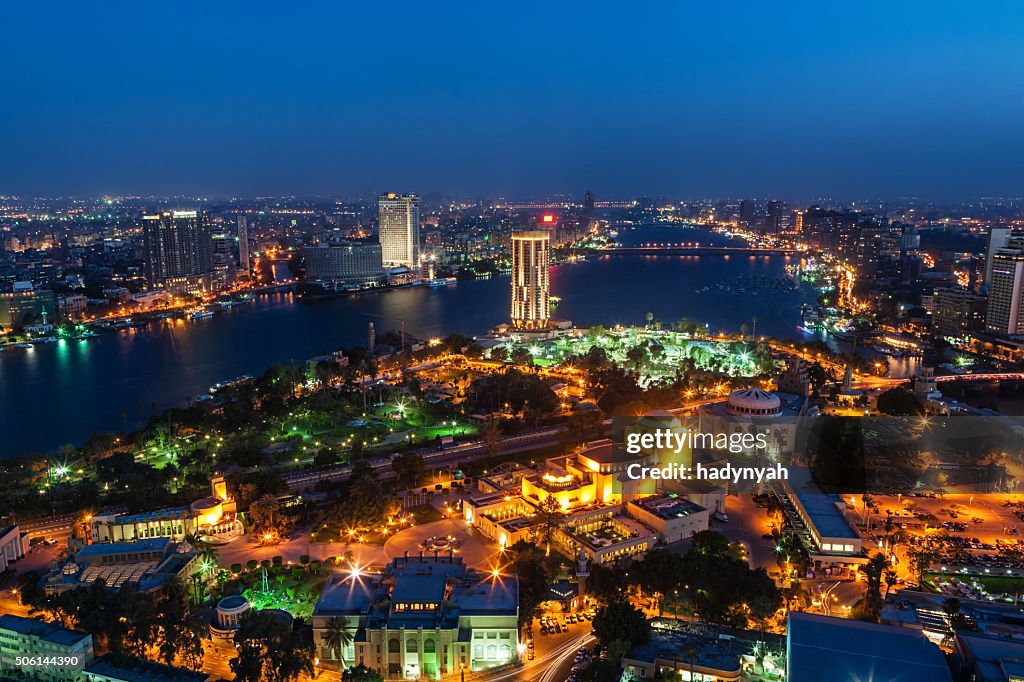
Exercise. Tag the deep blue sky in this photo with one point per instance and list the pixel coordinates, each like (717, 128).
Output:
(789, 99)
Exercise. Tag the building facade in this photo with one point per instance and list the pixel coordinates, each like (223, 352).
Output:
(345, 262)
(958, 313)
(27, 638)
(398, 219)
(1006, 290)
(178, 251)
(244, 261)
(421, 617)
(12, 546)
(531, 284)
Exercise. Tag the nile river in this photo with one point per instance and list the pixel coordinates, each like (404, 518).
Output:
(60, 393)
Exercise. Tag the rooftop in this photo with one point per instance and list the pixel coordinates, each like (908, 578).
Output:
(346, 594)
(856, 650)
(670, 506)
(419, 588)
(143, 671)
(48, 632)
(826, 516)
(106, 548)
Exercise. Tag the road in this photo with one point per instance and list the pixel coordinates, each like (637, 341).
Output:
(432, 457)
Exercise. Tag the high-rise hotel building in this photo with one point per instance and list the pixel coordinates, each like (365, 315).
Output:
(179, 251)
(531, 285)
(399, 226)
(1006, 290)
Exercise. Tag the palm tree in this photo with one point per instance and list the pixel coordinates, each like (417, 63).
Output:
(210, 557)
(691, 653)
(196, 541)
(337, 637)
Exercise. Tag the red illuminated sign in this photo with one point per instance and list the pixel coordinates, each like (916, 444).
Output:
(548, 218)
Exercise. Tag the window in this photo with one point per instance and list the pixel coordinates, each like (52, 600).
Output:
(429, 646)
(492, 652)
(394, 646)
(411, 646)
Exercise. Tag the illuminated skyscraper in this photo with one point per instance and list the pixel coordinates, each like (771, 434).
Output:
(244, 263)
(178, 250)
(531, 286)
(1006, 290)
(399, 221)
(997, 239)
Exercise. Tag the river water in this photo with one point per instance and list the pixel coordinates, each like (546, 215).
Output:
(60, 393)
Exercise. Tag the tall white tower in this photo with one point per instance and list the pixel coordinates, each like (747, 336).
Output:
(531, 285)
(399, 221)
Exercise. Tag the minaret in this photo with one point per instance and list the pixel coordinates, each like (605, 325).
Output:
(582, 573)
(371, 339)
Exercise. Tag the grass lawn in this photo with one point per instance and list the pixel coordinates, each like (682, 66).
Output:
(290, 589)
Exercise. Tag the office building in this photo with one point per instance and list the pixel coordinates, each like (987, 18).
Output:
(223, 258)
(998, 237)
(71, 307)
(344, 262)
(24, 305)
(244, 262)
(422, 617)
(957, 313)
(178, 251)
(1006, 290)
(27, 637)
(531, 284)
(748, 209)
(399, 228)
(774, 217)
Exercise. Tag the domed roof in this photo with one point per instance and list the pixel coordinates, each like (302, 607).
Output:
(754, 401)
(235, 602)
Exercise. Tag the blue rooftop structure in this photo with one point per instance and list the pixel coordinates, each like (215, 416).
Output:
(134, 547)
(48, 632)
(826, 648)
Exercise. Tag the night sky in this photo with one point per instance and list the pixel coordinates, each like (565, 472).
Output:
(785, 99)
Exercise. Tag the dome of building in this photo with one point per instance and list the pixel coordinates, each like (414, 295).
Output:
(753, 402)
(229, 614)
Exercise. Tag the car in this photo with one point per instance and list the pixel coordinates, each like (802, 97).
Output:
(50, 541)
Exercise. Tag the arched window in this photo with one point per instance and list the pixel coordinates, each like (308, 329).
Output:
(411, 646)
(506, 652)
(492, 652)
(394, 646)
(429, 646)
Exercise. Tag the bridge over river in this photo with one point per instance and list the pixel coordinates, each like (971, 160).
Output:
(695, 250)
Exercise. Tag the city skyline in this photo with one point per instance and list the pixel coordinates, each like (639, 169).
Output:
(552, 343)
(796, 101)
